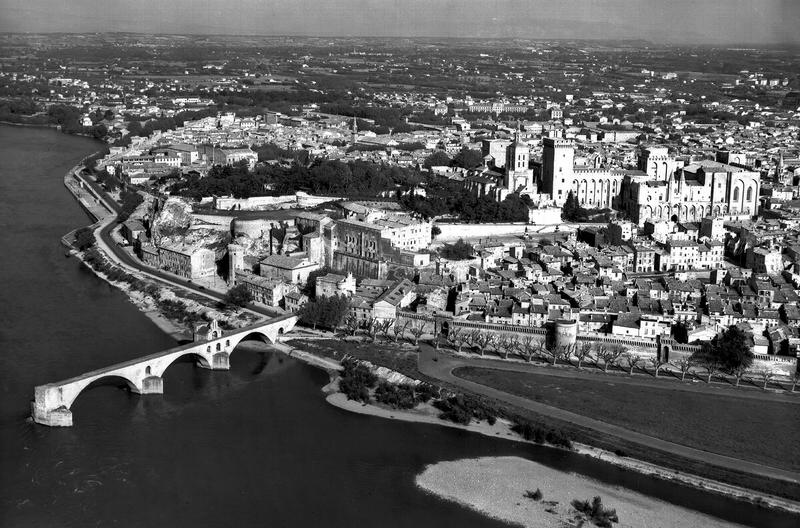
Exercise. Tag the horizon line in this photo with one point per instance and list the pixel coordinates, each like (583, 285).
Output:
(750, 45)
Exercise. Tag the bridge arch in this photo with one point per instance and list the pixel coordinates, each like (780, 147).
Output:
(201, 360)
(76, 390)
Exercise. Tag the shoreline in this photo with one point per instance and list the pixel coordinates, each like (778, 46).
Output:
(497, 487)
(501, 429)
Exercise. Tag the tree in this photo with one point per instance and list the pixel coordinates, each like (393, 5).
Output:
(727, 351)
(531, 345)
(84, 238)
(458, 251)
(709, 362)
(435, 231)
(468, 159)
(633, 360)
(733, 349)
(417, 329)
(373, 327)
(385, 327)
(684, 365)
(795, 378)
(351, 323)
(328, 312)
(455, 336)
(310, 313)
(609, 354)
(511, 345)
(437, 159)
(483, 340)
(657, 363)
(238, 297)
(766, 376)
(474, 338)
(571, 210)
(583, 351)
(399, 329)
(558, 352)
(738, 374)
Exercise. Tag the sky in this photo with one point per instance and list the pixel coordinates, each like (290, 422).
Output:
(759, 22)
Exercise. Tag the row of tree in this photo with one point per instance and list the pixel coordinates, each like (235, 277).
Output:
(730, 353)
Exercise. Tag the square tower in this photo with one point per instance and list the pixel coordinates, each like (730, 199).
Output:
(558, 161)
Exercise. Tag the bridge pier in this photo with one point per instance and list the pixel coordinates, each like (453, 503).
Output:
(52, 402)
(152, 385)
(61, 417)
(221, 361)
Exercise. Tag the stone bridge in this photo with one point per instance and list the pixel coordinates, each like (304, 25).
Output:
(211, 349)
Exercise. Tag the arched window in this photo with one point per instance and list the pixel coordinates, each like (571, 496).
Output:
(735, 194)
(749, 194)
(147, 370)
(219, 347)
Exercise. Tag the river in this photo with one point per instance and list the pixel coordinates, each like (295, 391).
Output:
(257, 445)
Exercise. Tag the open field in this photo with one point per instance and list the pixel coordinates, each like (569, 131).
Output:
(758, 431)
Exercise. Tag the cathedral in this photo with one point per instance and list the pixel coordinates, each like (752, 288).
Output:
(660, 188)
(517, 175)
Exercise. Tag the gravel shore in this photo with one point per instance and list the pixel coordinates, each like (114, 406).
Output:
(496, 486)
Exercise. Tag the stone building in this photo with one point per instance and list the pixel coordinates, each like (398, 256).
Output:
(696, 191)
(593, 187)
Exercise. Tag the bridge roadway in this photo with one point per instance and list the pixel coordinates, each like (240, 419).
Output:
(52, 402)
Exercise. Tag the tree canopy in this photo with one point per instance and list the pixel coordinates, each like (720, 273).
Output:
(730, 349)
(238, 296)
(458, 251)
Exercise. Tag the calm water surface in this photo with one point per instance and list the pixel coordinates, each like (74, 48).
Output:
(254, 446)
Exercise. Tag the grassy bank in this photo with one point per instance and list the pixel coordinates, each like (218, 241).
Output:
(760, 431)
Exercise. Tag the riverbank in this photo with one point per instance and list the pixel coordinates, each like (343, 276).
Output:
(497, 486)
(426, 413)
(38, 125)
(179, 331)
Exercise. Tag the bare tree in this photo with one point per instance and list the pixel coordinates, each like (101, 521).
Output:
(610, 355)
(385, 327)
(454, 337)
(684, 365)
(766, 376)
(583, 351)
(632, 360)
(400, 329)
(565, 352)
(373, 327)
(511, 345)
(657, 363)
(417, 329)
(738, 373)
(500, 345)
(486, 341)
(599, 350)
(711, 364)
(560, 352)
(474, 338)
(527, 347)
(461, 338)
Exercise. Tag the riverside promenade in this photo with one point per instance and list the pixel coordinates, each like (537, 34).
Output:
(440, 366)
